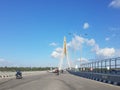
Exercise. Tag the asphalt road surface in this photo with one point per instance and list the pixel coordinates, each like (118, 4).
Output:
(51, 81)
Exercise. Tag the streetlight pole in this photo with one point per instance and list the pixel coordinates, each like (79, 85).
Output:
(81, 57)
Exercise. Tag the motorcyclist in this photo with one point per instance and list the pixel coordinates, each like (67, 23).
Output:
(18, 73)
(58, 72)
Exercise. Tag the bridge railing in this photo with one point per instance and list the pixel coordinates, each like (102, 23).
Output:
(107, 70)
(106, 66)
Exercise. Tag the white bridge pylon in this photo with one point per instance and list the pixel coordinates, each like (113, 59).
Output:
(64, 56)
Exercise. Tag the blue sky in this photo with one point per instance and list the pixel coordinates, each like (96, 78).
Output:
(32, 30)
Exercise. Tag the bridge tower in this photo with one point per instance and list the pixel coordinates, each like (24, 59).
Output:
(64, 56)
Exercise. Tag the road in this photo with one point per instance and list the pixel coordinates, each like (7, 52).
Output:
(51, 81)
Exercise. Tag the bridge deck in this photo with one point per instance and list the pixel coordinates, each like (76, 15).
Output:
(51, 81)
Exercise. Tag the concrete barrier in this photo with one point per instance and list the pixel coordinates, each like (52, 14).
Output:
(5, 74)
(106, 78)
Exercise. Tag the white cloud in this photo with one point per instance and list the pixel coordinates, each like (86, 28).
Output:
(106, 52)
(103, 52)
(76, 43)
(107, 38)
(59, 49)
(115, 4)
(57, 53)
(53, 44)
(117, 53)
(86, 25)
(91, 42)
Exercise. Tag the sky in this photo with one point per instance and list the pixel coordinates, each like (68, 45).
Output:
(32, 31)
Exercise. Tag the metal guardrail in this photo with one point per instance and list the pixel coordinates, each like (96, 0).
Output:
(107, 70)
(108, 66)
(107, 78)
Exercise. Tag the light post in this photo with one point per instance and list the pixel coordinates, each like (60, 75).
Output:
(81, 57)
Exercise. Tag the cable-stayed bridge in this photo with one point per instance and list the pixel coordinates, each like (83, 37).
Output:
(98, 75)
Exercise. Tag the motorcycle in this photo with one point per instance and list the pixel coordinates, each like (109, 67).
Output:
(19, 75)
